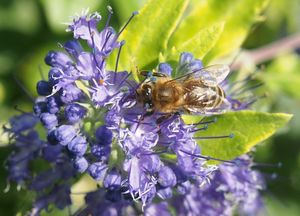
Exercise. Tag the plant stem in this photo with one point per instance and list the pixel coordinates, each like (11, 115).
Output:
(265, 53)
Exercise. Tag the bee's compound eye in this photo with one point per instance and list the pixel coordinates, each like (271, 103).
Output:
(147, 86)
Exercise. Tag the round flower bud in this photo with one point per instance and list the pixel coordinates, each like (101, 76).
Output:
(51, 153)
(100, 151)
(196, 65)
(57, 59)
(64, 134)
(81, 164)
(22, 122)
(74, 113)
(185, 58)
(73, 47)
(165, 193)
(39, 107)
(103, 135)
(52, 105)
(53, 75)
(112, 180)
(165, 69)
(78, 145)
(49, 120)
(70, 94)
(97, 170)
(43, 88)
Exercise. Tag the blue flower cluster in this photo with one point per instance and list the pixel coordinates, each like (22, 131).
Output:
(95, 125)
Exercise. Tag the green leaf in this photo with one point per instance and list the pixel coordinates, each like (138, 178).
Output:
(148, 33)
(60, 11)
(239, 16)
(32, 69)
(199, 44)
(21, 16)
(123, 8)
(248, 127)
(283, 76)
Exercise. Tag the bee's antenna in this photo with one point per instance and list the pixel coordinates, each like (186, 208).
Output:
(126, 24)
(185, 75)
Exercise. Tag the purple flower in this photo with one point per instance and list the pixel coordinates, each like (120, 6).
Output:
(96, 124)
(166, 177)
(44, 180)
(59, 196)
(27, 146)
(142, 170)
(52, 152)
(233, 185)
(85, 27)
(108, 91)
(22, 122)
(158, 209)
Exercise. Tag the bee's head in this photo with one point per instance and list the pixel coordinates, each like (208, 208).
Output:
(147, 88)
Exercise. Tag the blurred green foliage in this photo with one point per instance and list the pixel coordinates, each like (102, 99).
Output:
(29, 28)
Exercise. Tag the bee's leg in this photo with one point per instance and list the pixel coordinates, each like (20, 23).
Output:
(162, 119)
(166, 117)
(148, 113)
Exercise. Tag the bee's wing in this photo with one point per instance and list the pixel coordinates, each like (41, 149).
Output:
(210, 76)
(205, 101)
(225, 106)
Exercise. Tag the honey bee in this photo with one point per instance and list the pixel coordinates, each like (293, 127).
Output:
(196, 92)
